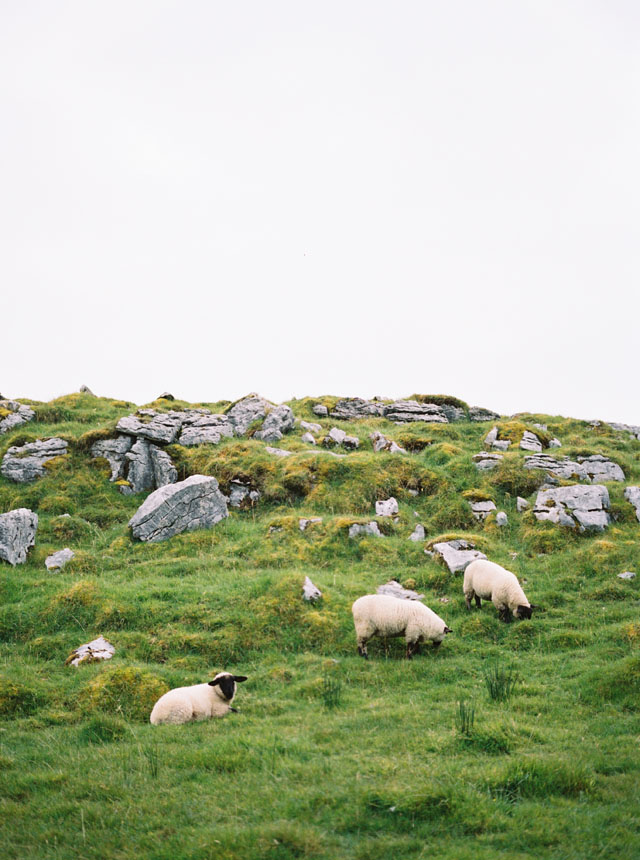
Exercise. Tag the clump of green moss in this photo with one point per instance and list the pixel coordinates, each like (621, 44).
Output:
(16, 699)
(123, 690)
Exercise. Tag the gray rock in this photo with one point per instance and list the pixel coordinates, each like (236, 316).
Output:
(92, 652)
(310, 521)
(199, 429)
(243, 413)
(501, 444)
(278, 422)
(530, 442)
(84, 389)
(457, 554)
(481, 510)
(628, 574)
(162, 427)
(114, 451)
(18, 415)
(381, 443)
(452, 413)
(486, 461)
(600, 468)
(501, 518)
(165, 396)
(632, 495)
(411, 410)
(335, 436)
(387, 508)
(365, 529)
(355, 407)
(320, 410)
(477, 413)
(242, 495)
(555, 443)
(576, 505)
(149, 467)
(17, 535)
(277, 452)
(418, 534)
(633, 429)
(491, 436)
(311, 427)
(394, 589)
(541, 426)
(521, 504)
(195, 503)
(310, 591)
(351, 442)
(566, 469)
(58, 560)
(308, 438)
(25, 463)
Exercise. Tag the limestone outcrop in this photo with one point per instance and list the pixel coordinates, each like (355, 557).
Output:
(586, 508)
(57, 560)
(17, 535)
(14, 414)
(26, 463)
(195, 503)
(456, 554)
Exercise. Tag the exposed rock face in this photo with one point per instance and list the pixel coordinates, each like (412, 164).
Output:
(308, 438)
(481, 510)
(411, 410)
(633, 429)
(25, 463)
(242, 495)
(58, 560)
(92, 652)
(381, 443)
(564, 468)
(195, 503)
(485, 460)
(310, 591)
(501, 518)
(530, 442)
(394, 589)
(17, 535)
(457, 554)
(278, 422)
(303, 522)
(320, 410)
(632, 494)
(521, 504)
(246, 411)
(355, 407)
(18, 415)
(199, 429)
(149, 467)
(600, 468)
(367, 529)
(113, 450)
(335, 436)
(159, 427)
(311, 427)
(387, 508)
(584, 507)
(277, 452)
(418, 534)
(477, 413)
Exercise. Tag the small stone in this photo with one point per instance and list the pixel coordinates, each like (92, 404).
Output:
(413, 492)
(277, 452)
(17, 534)
(501, 518)
(521, 504)
(555, 443)
(58, 560)
(632, 495)
(165, 396)
(308, 438)
(311, 427)
(320, 410)
(387, 508)
(381, 443)
(481, 510)
(303, 523)
(310, 591)
(457, 554)
(444, 600)
(628, 574)
(394, 589)
(418, 534)
(367, 529)
(92, 652)
(84, 389)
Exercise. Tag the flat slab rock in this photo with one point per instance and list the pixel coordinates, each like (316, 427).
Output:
(18, 415)
(26, 463)
(17, 534)
(576, 506)
(58, 560)
(195, 503)
(481, 510)
(486, 461)
(457, 554)
(92, 652)
(394, 589)
(365, 530)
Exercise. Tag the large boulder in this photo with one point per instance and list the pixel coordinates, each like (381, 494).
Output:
(456, 554)
(17, 534)
(243, 413)
(632, 495)
(564, 468)
(278, 422)
(201, 429)
(355, 407)
(575, 506)
(530, 442)
(14, 414)
(160, 427)
(113, 451)
(149, 467)
(25, 463)
(411, 410)
(600, 468)
(195, 503)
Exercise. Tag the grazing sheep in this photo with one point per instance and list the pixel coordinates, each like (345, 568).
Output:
(199, 702)
(385, 616)
(487, 580)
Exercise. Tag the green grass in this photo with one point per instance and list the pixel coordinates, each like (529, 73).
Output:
(329, 755)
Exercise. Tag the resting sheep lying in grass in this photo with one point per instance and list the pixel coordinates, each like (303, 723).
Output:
(487, 580)
(383, 615)
(199, 702)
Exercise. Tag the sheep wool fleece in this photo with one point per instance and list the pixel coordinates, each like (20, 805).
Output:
(487, 580)
(383, 615)
(198, 702)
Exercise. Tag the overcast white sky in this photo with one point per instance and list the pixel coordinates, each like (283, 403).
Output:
(211, 198)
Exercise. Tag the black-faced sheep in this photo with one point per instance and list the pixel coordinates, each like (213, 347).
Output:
(199, 702)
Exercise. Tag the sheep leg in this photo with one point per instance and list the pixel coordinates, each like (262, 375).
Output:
(412, 648)
(478, 602)
(505, 615)
(437, 644)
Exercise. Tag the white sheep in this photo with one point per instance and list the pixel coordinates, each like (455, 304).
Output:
(199, 702)
(487, 580)
(386, 616)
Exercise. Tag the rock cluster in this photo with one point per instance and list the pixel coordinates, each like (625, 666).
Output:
(381, 443)
(242, 495)
(14, 414)
(575, 506)
(596, 467)
(633, 429)
(456, 554)
(195, 503)
(25, 463)
(143, 464)
(352, 408)
(335, 436)
(17, 535)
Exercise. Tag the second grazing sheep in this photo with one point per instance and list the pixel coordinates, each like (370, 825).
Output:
(383, 615)
(198, 702)
(486, 580)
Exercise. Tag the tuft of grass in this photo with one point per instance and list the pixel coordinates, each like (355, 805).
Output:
(123, 690)
(103, 729)
(464, 718)
(500, 682)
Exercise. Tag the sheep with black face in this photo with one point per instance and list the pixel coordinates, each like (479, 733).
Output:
(198, 702)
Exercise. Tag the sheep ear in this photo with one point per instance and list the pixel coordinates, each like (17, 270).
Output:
(239, 678)
(448, 629)
(536, 608)
(214, 683)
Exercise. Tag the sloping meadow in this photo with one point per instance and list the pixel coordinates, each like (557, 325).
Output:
(512, 740)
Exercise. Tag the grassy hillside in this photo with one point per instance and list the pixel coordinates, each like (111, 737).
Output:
(330, 756)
